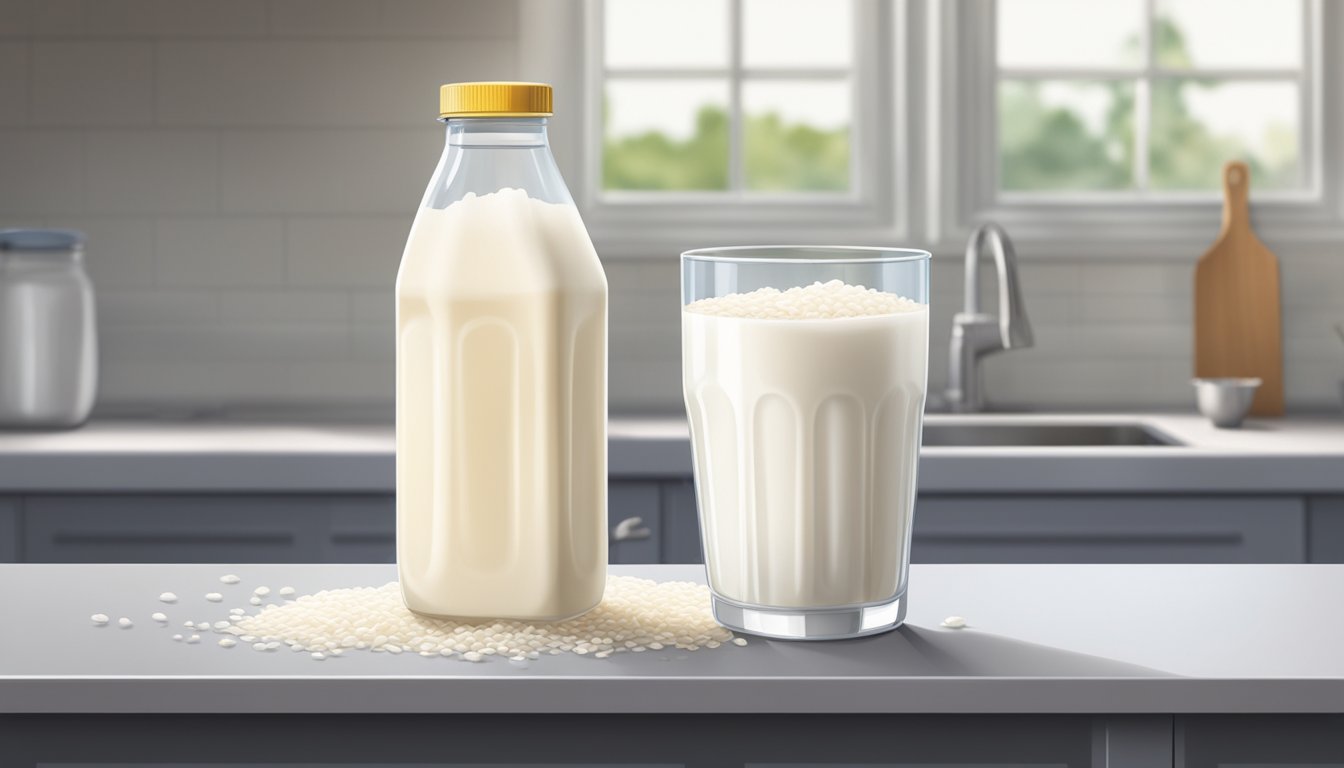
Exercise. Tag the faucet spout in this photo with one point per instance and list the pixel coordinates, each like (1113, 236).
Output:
(975, 333)
(1014, 329)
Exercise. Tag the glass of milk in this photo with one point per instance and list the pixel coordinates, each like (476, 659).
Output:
(804, 372)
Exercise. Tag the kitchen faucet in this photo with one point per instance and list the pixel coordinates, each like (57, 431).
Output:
(976, 334)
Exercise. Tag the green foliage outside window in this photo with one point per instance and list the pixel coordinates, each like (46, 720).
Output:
(779, 156)
(1042, 146)
(1047, 147)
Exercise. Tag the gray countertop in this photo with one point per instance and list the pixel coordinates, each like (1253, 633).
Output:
(1041, 638)
(1293, 455)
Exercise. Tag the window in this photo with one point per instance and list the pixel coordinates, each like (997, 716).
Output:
(727, 96)
(738, 121)
(1100, 128)
(1094, 127)
(1150, 96)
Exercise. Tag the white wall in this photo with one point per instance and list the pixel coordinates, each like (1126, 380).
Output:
(247, 171)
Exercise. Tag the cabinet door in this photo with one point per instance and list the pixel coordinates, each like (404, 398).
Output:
(1325, 521)
(633, 522)
(1225, 741)
(681, 524)
(1109, 529)
(361, 529)
(173, 529)
(9, 530)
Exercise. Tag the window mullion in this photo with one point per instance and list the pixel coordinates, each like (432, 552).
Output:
(736, 170)
(1142, 124)
(1143, 100)
(1308, 68)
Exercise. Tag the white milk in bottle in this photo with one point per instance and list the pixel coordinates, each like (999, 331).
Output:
(501, 375)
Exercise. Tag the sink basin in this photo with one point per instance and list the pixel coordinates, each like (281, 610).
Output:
(1027, 435)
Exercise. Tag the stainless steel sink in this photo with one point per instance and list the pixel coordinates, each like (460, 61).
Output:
(963, 434)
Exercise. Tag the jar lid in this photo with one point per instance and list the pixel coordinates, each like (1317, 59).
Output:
(495, 100)
(46, 240)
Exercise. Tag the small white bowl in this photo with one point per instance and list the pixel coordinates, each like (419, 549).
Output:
(1225, 402)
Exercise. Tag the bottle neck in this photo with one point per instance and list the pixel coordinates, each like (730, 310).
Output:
(497, 132)
(486, 154)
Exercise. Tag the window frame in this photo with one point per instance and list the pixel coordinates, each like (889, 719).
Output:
(639, 220)
(924, 99)
(1115, 224)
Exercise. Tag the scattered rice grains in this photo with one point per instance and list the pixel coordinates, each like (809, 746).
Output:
(635, 615)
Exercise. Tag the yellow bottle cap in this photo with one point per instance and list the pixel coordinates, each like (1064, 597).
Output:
(495, 100)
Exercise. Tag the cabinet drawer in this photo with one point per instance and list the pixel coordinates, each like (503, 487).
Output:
(1325, 520)
(1121, 529)
(173, 529)
(681, 524)
(361, 530)
(634, 522)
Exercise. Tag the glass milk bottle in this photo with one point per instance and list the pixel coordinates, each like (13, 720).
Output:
(501, 375)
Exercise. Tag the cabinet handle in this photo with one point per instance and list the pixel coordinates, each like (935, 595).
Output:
(171, 537)
(631, 529)
(354, 537)
(1230, 538)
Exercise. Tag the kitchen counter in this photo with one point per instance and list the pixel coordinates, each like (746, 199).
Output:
(1292, 455)
(1041, 639)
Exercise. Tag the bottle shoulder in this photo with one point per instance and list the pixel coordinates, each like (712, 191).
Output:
(499, 247)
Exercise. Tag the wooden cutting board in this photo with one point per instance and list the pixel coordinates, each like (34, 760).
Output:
(1237, 316)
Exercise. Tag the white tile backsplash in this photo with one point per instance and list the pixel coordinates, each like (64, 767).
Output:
(329, 171)
(247, 172)
(374, 307)
(151, 172)
(41, 172)
(316, 83)
(394, 18)
(206, 18)
(51, 17)
(14, 82)
(85, 82)
(103, 19)
(282, 306)
(140, 307)
(242, 342)
(120, 250)
(220, 252)
(356, 252)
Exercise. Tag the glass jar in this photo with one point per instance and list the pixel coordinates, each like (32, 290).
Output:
(501, 375)
(48, 337)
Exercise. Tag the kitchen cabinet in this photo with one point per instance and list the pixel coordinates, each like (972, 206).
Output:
(634, 522)
(618, 740)
(1083, 528)
(762, 741)
(1210, 741)
(1325, 526)
(681, 524)
(9, 529)
(359, 529)
(654, 520)
(177, 528)
(1109, 529)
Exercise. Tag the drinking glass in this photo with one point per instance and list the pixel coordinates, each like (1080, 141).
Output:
(806, 411)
